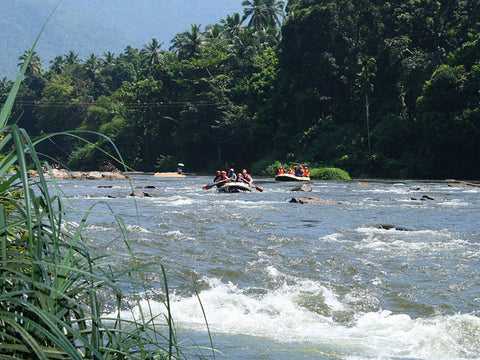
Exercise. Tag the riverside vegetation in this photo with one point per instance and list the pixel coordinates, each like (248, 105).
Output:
(58, 299)
(387, 89)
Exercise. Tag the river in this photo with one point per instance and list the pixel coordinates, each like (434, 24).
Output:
(378, 272)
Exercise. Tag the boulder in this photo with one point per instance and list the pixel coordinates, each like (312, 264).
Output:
(139, 193)
(391, 227)
(94, 175)
(423, 198)
(310, 200)
(302, 187)
(362, 184)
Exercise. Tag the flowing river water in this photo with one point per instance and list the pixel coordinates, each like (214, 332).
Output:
(379, 272)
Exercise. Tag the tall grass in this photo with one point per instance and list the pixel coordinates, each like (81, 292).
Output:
(53, 289)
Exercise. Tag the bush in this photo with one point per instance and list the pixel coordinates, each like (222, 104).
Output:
(83, 158)
(329, 174)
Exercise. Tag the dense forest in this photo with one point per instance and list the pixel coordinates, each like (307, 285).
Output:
(381, 89)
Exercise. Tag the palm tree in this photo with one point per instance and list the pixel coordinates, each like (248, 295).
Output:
(34, 67)
(213, 32)
(108, 58)
(188, 43)
(152, 52)
(364, 82)
(263, 13)
(57, 65)
(245, 45)
(71, 58)
(232, 25)
(269, 37)
(5, 85)
(276, 12)
(92, 66)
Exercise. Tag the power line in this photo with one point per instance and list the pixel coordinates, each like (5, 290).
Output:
(152, 105)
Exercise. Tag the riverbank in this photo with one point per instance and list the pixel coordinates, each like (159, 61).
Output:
(63, 174)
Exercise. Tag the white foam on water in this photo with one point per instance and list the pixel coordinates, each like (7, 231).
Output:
(98, 228)
(400, 240)
(137, 229)
(173, 200)
(280, 316)
(454, 203)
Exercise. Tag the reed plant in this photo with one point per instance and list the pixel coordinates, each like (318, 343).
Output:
(58, 300)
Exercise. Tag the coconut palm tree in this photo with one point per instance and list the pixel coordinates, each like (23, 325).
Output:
(5, 85)
(269, 37)
(108, 58)
(152, 53)
(92, 66)
(188, 43)
(71, 58)
(263, 13)
(34, 67)
(57, 65)
(232, 25)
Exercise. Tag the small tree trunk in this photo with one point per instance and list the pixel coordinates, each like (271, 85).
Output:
(367, 115)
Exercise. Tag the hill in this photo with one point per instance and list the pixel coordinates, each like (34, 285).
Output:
(98, 26)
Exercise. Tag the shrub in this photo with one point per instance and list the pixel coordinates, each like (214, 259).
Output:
(329, 174)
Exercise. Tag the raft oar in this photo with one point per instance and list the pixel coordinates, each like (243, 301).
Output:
(209, 186)
(251, 185)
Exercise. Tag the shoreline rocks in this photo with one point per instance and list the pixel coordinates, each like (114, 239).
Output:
(62, 174)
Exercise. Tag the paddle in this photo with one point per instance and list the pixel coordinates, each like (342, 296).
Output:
(209, 186)
(251, 185)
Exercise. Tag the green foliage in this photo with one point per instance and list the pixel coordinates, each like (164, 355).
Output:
(265, 167)
(83, 158)
(369, 87)
(55, 294)
(166, 163)
(329, 174)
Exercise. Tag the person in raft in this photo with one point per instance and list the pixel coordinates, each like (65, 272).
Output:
(220, 178)
(246, 177)
(281, 170)
(231, 175)
(300, 171)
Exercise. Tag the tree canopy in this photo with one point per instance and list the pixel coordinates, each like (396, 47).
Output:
(386, 89)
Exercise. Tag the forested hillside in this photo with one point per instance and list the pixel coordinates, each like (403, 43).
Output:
(384, 89)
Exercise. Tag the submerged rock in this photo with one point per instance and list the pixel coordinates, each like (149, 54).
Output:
(391, 227)
(310, 200)
(302, 187)
(139, 193)
(423, 198)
